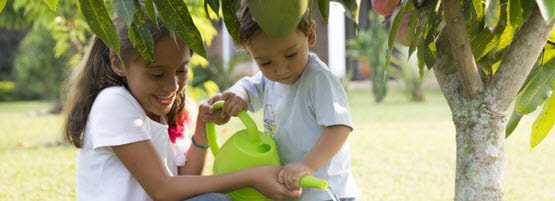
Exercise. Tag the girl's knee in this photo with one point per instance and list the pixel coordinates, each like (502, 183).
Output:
(211, 197)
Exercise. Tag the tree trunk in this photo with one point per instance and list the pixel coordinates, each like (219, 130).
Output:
(480, 152)
(480, 140)
(480, 120)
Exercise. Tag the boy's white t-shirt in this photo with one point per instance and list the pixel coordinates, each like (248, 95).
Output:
(116, 118)
(296, 115)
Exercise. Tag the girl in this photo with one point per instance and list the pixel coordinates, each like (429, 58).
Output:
(118, 114)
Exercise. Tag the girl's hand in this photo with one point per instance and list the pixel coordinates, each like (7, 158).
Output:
(291, 175)
(266, 182)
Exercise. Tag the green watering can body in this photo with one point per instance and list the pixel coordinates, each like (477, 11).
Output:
(248, 148)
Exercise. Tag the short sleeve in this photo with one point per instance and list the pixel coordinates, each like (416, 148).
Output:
(329, 99)
(116, 118)
(254, 86)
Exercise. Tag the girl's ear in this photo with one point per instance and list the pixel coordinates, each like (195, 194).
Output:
(116, 65)
(312, 34)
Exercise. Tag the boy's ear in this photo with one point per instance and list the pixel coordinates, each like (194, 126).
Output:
(312, 34)
(116, 65)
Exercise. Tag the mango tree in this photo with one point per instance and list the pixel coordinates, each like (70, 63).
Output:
(485, 54)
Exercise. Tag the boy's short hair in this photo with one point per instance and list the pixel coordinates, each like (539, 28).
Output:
(248, 26)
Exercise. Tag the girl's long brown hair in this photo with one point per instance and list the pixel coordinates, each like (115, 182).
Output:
(95, 73)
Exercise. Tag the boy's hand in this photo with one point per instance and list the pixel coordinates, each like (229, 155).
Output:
(235, 101)
(268, 185)
(208, 114)
(291, 174)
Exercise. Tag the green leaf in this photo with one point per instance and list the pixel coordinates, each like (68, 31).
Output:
(478, 8)
(53, 4)
(150, 11)
(527, 7)
(515, 13)
(100, 23)
(428, 47)
(512, 123)
(395, 25)
(324, 6)
(140, 35)
(125, 9)
(547, 8)
(539, 86)
(493, 11)
(393, 32)
(230, 19)
(214, 5)
(2, 5)
(351, 9)
(543, 123)
(176, 16)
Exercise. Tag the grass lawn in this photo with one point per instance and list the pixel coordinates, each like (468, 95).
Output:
(401, 151)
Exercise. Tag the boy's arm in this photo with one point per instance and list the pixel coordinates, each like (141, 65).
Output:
(328, 145)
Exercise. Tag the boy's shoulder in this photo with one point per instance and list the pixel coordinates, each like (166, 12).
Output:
(316, 67)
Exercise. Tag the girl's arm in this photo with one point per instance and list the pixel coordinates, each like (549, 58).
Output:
(142, 160)
(196, 157)
(328, 145)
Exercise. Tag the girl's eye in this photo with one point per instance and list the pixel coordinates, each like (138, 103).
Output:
(158, 75)
(264, 64)
(182, 71)
(291, 55)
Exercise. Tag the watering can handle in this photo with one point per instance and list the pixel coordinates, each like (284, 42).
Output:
(252, 130)
(309, 181)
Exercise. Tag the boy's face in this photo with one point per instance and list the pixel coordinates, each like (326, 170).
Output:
(156, 85)
(282, 59)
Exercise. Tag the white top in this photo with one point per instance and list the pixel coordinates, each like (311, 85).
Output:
(116, 118)
(296, 115)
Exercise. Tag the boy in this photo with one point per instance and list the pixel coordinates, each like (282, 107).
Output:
(305, 106)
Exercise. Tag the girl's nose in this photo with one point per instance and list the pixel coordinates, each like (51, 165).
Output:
(171, 84)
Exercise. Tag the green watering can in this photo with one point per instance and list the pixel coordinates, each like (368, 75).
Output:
(248, 148)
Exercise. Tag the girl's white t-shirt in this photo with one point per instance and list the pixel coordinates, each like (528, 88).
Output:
(296, 115)
(116, 118)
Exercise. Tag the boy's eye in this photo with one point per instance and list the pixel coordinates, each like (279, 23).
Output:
(264, 63)
(291, 55)
(157, 75)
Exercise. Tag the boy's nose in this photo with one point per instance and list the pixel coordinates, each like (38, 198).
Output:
(283, 69)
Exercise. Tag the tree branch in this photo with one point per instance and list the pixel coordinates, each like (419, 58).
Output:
(462, 52)
(519, 60)
(448, 83)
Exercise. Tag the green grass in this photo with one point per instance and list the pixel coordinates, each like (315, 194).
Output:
(401, 151)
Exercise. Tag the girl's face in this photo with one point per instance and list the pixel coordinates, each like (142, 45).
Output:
(156, 85)
(281, 59)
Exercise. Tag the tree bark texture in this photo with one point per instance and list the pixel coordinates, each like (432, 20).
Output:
(480, 120)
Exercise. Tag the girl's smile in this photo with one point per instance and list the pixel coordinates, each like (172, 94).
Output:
(166, 100)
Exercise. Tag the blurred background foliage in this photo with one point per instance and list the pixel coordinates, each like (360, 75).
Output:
(40, 47)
